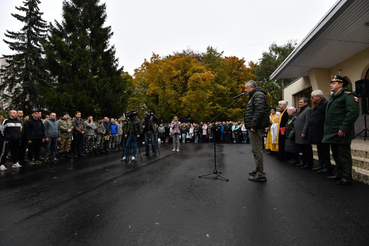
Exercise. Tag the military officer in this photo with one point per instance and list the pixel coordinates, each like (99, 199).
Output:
(341, 113)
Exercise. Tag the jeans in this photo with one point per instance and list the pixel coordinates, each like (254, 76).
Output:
(244, 134)
(151, 135)
(183, 137)
(51, 146)
(176, 141)
(128, 143)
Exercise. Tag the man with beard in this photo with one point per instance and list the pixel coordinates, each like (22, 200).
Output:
(281, 139)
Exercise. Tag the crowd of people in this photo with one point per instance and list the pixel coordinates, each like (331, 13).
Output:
(328, 125)
(72, 137)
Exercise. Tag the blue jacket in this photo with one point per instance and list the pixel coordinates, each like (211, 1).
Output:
(114, 130)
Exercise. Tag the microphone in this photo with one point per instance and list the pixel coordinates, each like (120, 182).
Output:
(240, 95)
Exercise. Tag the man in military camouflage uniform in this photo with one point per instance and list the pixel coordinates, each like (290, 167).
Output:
(66, 128)
(100, 131)
(89, 135)
(341, 113)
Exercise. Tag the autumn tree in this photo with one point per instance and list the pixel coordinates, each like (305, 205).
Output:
(25, 70)
(176, 85)
(83, 63)
(268, 63)
(196, 85)
(230, 75)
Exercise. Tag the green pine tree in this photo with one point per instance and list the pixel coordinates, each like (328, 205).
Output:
(85, 71)
(25, 71)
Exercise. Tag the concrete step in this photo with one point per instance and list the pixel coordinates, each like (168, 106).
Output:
(360, 167)
(358, 158)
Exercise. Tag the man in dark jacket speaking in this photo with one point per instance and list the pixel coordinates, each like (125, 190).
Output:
(256, 119)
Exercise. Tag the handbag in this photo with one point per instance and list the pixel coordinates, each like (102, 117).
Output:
(283, 130)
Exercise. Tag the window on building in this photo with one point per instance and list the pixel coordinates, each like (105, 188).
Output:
(305, 93)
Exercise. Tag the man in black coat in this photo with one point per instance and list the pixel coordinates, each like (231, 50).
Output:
(35, 134)
(256, 120)
(316, 131)
(302, 133)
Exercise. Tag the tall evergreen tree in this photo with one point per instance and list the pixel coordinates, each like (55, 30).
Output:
(25, 71)
(85, 71)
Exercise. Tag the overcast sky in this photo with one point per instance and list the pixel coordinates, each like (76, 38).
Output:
(242, 28)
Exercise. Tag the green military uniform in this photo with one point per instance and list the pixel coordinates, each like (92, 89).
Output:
(341, 113)
(66, 137)
(100, 130)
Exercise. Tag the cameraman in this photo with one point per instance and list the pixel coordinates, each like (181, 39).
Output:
(150, 130)
(134, 129)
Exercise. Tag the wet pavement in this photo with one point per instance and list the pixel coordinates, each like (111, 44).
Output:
(99, 200)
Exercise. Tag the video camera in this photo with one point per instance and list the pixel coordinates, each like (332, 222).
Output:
(131, 114)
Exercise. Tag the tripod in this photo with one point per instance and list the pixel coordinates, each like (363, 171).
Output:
(215, 171)
(131, 145)
(365, 130)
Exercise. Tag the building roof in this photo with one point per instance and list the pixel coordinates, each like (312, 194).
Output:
(340, 34)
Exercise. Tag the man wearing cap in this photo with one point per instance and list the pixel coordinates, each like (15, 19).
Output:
(341, 113)
(66, 128)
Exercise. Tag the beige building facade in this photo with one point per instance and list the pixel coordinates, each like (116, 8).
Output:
(339, 42)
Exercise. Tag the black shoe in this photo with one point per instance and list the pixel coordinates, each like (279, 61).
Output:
(343, 182)
(306, 167)
(253, 173)
(257, 179)
(334, 177)
(316, 169)
(102, 151)
(293, 162)
(300, 164)
(154, 154)
(324, 170)
(82, 154)
(70, 156)
(75, 155)
(146, 154)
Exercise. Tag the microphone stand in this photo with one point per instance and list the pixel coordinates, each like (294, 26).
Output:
(215, 171)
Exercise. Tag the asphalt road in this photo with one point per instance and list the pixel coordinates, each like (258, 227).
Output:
(99, 200)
